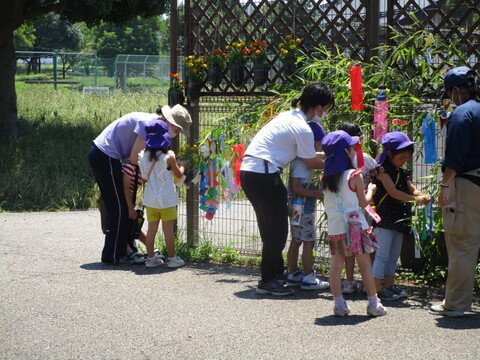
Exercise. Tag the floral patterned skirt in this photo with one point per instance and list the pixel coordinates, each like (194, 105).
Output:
(338, 243)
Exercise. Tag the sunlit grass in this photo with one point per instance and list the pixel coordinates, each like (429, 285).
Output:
(46, 167)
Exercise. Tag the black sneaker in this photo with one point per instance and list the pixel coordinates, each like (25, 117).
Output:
(273, 287)
(386, 295)
(396, 291)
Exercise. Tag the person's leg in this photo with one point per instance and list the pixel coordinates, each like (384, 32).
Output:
(109, 177)
(365, 267)
(168, 227)
(150, 238)
(336, 275)
(292, 255)
(391, 265)
(384, 240)
(307, 256)
(349, 267)
(462, 237)
(268, 196)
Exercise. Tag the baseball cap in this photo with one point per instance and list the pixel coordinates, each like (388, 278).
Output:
(455, 77)
(157, 134)
(334, 145)
(394, 140)
(179, 116)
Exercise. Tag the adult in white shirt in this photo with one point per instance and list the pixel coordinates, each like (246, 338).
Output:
(273, 148)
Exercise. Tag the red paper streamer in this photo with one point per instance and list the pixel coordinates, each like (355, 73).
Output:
(237, 162)
(356, 87)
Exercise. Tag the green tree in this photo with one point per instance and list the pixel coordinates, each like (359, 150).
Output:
(14, 13)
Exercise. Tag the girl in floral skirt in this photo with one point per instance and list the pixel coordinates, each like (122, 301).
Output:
(344, 197)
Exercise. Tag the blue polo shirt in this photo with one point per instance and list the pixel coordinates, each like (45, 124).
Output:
(462, 148)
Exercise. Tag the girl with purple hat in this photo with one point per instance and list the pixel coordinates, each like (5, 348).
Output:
(158, 166)
(344, 197)
(393, 200)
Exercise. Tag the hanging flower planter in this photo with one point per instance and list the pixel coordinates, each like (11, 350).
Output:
(175, 97)
(194, 88)
(214, 76)
(237, 74)
(260, 74)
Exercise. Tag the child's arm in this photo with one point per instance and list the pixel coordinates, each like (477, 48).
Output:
(128, 197)
(177, 168)
(356, 183)
(422, 198)
(301, 191)
(395, 193)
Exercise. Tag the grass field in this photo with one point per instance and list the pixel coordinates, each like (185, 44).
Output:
(46, 167)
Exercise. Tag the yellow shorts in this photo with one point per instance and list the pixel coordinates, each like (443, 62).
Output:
(166, 214)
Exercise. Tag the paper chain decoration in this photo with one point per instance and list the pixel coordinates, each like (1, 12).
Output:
(213, 152)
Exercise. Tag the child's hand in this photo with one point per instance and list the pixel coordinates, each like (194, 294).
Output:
(422, 199)
(171, 154)
(372, 187)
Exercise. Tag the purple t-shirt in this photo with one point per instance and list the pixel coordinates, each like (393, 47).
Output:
(117, 139)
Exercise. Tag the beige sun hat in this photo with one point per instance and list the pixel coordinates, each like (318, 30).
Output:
(178, 116)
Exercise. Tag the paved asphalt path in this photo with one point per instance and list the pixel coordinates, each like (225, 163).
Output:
(58, 301)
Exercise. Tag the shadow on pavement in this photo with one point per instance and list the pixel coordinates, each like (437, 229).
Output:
(349, 320)
(462, 323)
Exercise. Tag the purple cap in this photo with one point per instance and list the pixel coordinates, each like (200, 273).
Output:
(455, 77)
(318, 131)
(157, 134)
(334, 145)
(393, 141)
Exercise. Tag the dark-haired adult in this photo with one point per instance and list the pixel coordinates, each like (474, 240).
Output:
(460, 191)
(273, 148)
(122, 140)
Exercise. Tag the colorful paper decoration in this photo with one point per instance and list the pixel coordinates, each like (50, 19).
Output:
(429, 141)
(239, 150)
(356, 87)
(380, 113)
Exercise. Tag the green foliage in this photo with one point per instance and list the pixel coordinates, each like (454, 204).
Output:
(138, 36)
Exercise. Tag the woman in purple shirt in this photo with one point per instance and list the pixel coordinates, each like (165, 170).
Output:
(122, 140)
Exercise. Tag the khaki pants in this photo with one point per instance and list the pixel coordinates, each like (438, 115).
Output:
(462, 236)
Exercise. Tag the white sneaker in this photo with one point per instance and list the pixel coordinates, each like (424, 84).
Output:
(154, 262)
(349, 287)
(311, 282)
(341, 309)
(175, 262)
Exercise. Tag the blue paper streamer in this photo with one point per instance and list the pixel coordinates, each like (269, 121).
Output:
(429, 141)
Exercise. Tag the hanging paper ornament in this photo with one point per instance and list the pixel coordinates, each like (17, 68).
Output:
(356, 87)
(239, 150)
(380, 112)
(429, 141)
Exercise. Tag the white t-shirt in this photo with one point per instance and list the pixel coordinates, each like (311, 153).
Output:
(337, 222)
(279, 142)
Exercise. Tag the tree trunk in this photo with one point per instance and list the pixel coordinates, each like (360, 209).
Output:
(8, 96)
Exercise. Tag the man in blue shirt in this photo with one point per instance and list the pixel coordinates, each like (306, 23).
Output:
(460, 191)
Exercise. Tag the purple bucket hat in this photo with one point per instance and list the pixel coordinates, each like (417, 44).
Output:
(317, 129)
(334, 145)
(393, 141)
(455, 77)
(157, 134)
